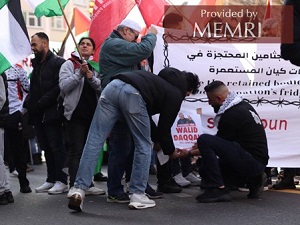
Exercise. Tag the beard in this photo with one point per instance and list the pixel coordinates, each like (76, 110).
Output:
(39, 55)
(216, 108)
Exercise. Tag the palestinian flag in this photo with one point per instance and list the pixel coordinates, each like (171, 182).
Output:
(15, 44)
(79, 25)
(46, 7)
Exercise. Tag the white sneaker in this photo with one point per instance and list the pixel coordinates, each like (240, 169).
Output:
(14, 173)
(180, 180)
(76, 199)
(94, 191)
(246, 189)
(44, 188)
(58, 188)
(193, 179)
(140, 201)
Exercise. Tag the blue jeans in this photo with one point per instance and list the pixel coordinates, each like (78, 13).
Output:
(234, 164)
(118, 100)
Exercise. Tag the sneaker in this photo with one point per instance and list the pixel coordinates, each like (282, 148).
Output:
(44, 188)
(181, 181)
(94, 191)
(256, 186)
(25, 189)
(100, 177)
(58, 188)
(9, 197)
(14, 173)
(124, 198)
(140, 201)
(3, 199)
(246, 188)
(76, 199)
(214, 195)
(169, 187)
(195, 181)
(285, 183)
(151, 193)
(29, 169)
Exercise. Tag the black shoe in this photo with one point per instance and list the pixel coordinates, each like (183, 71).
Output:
(151, 193)
(25, 189)
(169, 187)
(124, 198)
(100, 177)
(256, 186)
(285, 183)
(214, 195)
(3, 199)
(9, 197)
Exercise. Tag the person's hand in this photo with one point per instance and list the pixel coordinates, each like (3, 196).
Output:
(195, 146)
(184, 153)
(152, 30)
(176, 154)
(89, 74)
(84, 68)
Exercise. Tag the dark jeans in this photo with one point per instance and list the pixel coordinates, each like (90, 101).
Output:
(77, 134)
(183, 165)
(120, 147)
(234, 164)
(50, 138)
(14, 143)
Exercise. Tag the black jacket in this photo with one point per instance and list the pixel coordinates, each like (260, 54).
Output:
(44, 90)
(242, 124)
(162, 93)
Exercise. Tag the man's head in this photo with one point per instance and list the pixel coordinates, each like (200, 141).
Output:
(40, 45)
(173, 20)
(129, 30)
(216, 93)
(193, 83)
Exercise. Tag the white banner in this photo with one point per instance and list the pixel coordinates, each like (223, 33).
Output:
(254, 71)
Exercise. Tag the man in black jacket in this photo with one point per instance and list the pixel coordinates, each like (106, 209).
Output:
(238, 153)
(43, 113)
(135, 96)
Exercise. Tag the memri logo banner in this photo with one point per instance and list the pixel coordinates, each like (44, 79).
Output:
(228, 24)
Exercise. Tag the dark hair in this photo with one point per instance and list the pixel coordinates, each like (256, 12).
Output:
(193, 83)
(171, 19)
(41, 35)
(213, 85)
(91, 40)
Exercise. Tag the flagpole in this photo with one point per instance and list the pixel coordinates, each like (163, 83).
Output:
(69, 28)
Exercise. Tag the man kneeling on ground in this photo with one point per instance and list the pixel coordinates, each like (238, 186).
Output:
(237, 154)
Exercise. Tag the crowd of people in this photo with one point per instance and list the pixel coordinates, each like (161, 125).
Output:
(75, 107)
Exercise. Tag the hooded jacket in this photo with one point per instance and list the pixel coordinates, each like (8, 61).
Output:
(163, 94)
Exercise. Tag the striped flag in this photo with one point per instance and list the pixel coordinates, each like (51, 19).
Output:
(15, 44)
(46, 7)
(79, 25)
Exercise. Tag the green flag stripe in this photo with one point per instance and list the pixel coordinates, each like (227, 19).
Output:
(4, 65)
(3, 3)
(49, 8)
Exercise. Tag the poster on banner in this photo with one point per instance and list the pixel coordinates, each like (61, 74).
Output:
(254, 71)
(187, 127)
